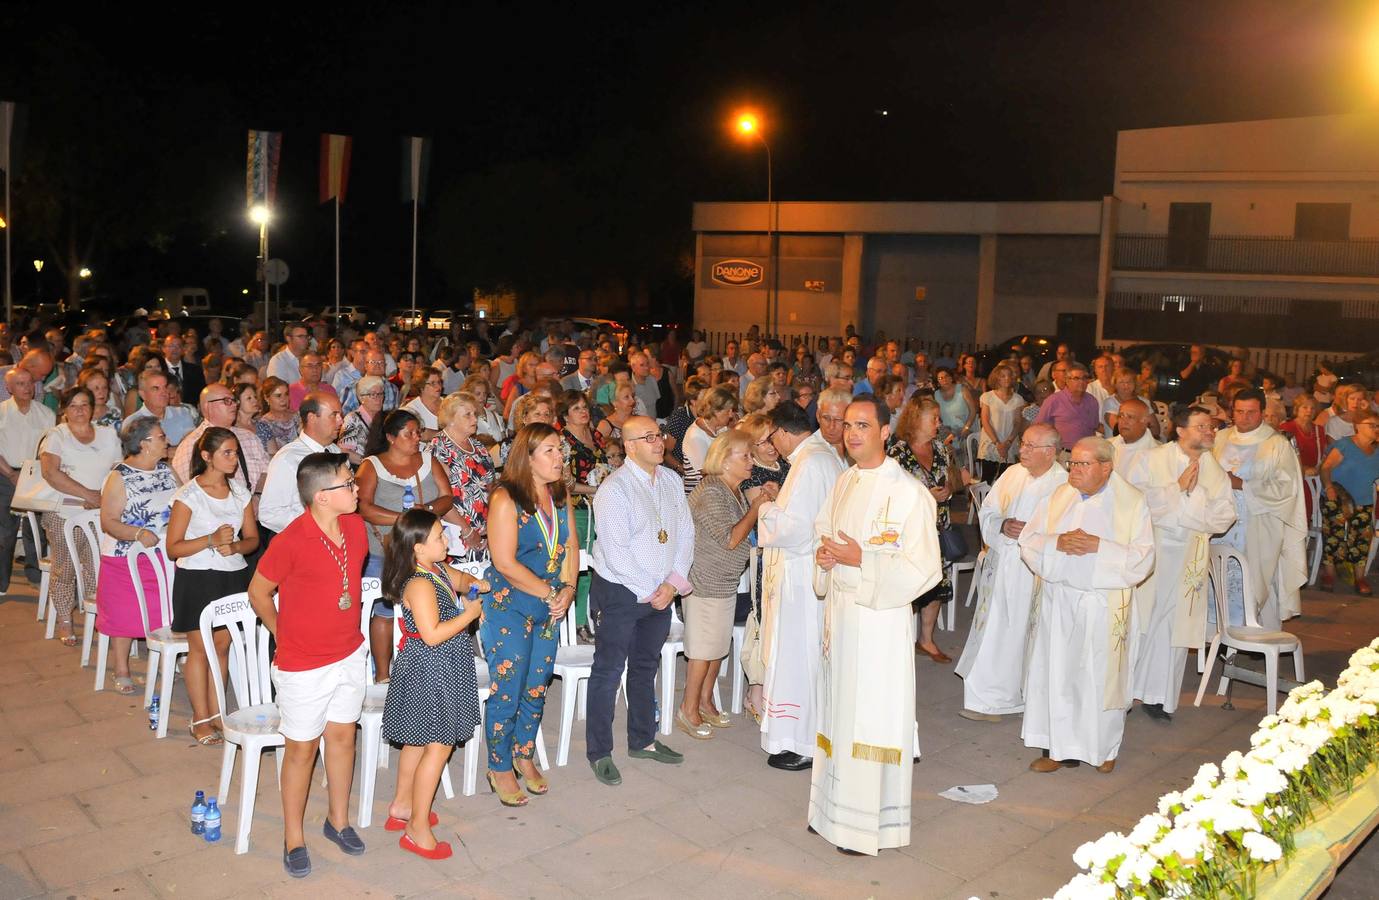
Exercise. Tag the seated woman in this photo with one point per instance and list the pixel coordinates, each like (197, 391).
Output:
(210, 529)
(135, 503)
(490, 422)
(426, 402)
(1348, 475)
(76, 456)
(394, 470)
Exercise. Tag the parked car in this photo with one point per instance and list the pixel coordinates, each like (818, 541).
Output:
(1039, 346)
(438, 319)
(356, 315)
(1359, 370)
(1169, 360)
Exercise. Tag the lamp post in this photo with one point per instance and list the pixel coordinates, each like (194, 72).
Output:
(748, 126)
(260, 215)
(38, 290)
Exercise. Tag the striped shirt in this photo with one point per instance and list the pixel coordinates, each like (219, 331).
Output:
(630, 509)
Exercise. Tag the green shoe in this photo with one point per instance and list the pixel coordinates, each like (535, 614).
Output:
(659, 752)
(606, 772)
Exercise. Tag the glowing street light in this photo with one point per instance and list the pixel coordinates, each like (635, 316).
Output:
(38, 265)
(748, 125)
(85, 272)
(259, 215)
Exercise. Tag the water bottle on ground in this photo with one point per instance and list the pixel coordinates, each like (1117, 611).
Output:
(212, 832)
(153, 714)
(199, 813)
(409, 498)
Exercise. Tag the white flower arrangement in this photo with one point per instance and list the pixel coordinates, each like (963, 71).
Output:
(1216, 835)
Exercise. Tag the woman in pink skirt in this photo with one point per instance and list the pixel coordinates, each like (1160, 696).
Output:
(135, 502)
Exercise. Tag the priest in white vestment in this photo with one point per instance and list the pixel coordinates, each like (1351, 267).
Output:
(992, 665)
(1189, 499)
(878, 548)
(1089, 544)
(791, 614)
(1271, 517)
(1134, 437)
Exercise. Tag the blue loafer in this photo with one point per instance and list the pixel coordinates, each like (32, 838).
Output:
(346, 839)
(297, 862)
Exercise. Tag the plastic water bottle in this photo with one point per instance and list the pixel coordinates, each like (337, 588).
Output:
(212, 832)
(153, 714)
(199, 813)
(409, 498)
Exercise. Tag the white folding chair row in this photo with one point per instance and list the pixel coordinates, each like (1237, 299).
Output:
(976, 493)
(1248, 637)
(45, 568)
(1314, 527)
(950, 609)
(88, 522)
(164, 644)
(972, 447)
(1161, 412)
(253, 725)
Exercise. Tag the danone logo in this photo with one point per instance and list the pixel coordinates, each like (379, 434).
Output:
(738, 272)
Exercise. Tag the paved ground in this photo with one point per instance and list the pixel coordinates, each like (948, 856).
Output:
(92, 805)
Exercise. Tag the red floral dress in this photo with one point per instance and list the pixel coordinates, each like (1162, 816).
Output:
(472, 477)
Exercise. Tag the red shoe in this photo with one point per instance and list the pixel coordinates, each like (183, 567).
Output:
(442, 850)
(396, 824)
(1362, 587)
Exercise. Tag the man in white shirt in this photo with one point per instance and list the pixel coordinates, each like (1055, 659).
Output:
(643, 385)
(1133, 424)
(280, 504)
(756, 368)
(287, 362)
(641, 560)
(1102, 386)
(22, 424)
(731, 360)
(177, 422)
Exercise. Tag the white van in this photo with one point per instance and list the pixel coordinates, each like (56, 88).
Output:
(188, 300)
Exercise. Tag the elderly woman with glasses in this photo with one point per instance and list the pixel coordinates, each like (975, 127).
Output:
(1348, 473)
(354, 434)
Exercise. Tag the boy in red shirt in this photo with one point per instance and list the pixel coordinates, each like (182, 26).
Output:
(314, 566)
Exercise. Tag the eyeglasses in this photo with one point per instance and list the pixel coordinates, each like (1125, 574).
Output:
(1026, 445)
(1075, 464)
(337, 487)
(654, 437)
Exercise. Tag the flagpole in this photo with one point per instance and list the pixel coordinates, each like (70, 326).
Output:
(416, 190)
(337, 260)
(9, 226)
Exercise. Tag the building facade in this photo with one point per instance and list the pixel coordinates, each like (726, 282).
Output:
(1261, 234)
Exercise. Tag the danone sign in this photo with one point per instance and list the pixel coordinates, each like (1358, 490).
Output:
(737, 273)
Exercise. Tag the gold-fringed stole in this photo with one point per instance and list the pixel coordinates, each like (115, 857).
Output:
(887, 756)
(824, 744)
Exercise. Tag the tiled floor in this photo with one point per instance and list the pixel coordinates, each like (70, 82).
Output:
(92, 806)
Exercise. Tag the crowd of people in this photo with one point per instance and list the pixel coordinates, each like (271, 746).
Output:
(293, 470)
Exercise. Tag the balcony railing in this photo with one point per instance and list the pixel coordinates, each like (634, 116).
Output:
(1247, 255)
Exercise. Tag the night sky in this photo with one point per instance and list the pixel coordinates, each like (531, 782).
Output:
(622, 113)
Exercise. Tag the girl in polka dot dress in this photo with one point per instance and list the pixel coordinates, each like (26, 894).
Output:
(433, 700)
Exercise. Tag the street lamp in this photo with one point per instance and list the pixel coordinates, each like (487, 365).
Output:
(84, 273)
(38, 289)
(748, 125)
(260, 215)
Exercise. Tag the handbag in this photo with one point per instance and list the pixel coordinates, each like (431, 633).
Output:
(32, 492)
(952, 546)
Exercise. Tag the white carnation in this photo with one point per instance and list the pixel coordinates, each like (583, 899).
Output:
(1086, 887)
(1261, 847)
(1148, 829)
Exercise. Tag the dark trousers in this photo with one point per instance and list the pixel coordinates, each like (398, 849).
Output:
(11, 524)
(631, 634)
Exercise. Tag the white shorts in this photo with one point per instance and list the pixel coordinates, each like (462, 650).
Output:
(307, 700)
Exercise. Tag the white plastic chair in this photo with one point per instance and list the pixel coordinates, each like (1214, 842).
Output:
(950, 609)
(976, 494)
(45, 568)
(253, 726)
(977, 575)
(88, 521)
(972, 446)
(164, 644)
(1248, 638)
(1161, 412)
(574, 663)
(372, 754)
(1314, 528)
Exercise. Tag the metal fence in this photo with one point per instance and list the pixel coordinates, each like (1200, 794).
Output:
(1272, 255)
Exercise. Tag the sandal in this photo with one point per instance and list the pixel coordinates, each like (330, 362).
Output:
(124, 684)
(206, 740)
(70, 639)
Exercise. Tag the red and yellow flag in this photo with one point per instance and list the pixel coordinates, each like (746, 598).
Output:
(335, 166)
